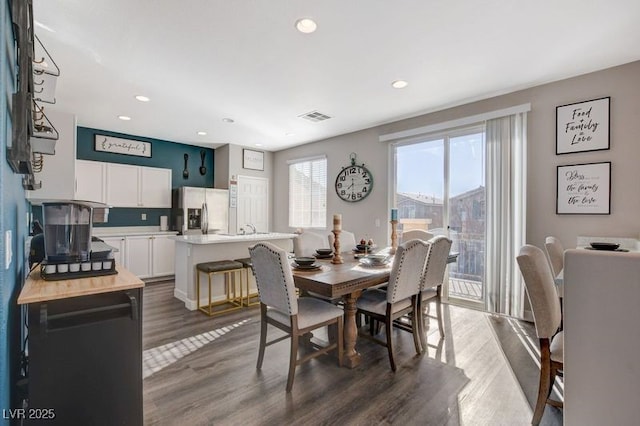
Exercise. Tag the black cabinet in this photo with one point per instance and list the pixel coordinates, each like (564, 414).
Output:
(85, 359)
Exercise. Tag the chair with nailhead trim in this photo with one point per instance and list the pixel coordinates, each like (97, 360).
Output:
(401, 296)
(280, 307)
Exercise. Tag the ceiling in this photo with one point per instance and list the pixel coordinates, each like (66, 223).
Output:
(201, 61)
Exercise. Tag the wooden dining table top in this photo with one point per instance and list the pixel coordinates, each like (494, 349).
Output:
(336, 280)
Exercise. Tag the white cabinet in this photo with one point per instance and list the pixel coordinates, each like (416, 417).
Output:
(155, 187)
(118, 243)
(123, 185)
(90, 181)
(163, 255)
(138, 255)
(146, 256)
(58, 174)
(137, 186)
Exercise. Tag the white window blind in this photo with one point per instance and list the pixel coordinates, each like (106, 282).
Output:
(308, 193)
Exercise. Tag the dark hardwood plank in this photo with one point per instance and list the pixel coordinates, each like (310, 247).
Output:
(465, 378)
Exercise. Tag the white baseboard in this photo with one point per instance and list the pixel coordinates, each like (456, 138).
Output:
(191, 304)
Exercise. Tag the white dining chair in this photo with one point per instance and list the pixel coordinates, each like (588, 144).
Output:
(416, 234)
(555, 253)
(401, 296)
(347, 240)
(280, 307)
(306, 243)
(545, 306)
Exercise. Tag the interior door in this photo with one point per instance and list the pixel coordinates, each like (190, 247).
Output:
(253, 203)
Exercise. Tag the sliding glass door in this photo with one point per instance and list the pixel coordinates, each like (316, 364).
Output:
(440, 187)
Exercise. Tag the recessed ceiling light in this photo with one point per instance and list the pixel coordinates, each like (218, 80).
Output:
(228, 120)
(258, 144)
(289, 134)
(124, 118)
(306, 25)
(202, 133)
(399, 84)
(142, 98)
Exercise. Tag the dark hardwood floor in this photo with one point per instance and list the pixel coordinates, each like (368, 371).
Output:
(201, 371)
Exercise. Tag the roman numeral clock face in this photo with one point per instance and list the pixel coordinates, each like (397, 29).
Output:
(354, 183)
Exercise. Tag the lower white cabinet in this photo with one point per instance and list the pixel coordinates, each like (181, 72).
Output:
(163, 255)
(119, 243)
(146, 256)
(138, 255)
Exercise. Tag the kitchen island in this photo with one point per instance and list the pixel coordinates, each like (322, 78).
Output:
(194, 249)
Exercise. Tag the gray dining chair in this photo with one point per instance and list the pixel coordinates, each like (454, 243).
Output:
(545, 305)
(401, 296)
(280, 307)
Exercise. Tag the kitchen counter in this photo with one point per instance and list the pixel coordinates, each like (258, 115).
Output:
(125, 231)
(194, 249)
(226, 238)
(37, 290)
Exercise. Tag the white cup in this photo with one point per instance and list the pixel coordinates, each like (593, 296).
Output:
(49, 269)
(85, 266)
(74, 267)
(96, 266)
(63, 268)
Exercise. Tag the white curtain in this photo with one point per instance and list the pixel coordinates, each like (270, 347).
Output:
(506, 144)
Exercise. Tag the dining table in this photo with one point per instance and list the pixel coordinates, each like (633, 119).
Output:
(346, 280)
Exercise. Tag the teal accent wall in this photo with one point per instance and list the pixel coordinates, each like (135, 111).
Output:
(13, 217)
(165, 154)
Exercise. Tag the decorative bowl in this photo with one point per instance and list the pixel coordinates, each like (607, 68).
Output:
(304, 261)
(363, 247)
(377, 259)
(604, 246)
(324, 251)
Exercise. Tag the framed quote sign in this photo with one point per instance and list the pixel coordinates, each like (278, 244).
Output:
(122, 146)
(253, 160)
(584, 189)
(583, 126)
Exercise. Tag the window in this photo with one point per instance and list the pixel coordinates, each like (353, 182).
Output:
(308, 193)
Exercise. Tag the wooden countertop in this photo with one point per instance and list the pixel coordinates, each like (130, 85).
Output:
(37, 290)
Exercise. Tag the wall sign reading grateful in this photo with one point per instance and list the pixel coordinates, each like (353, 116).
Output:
(122, 146)
(583, 126)
(584, 189)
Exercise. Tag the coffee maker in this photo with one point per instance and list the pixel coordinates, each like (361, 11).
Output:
(70, 251)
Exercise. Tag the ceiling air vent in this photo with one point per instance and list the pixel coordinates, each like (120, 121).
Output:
(315, 116)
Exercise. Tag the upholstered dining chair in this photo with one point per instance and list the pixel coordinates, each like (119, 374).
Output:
(555, 253)
(347, 240)
(280, 307)
(416, 234)
(431, 286)
(306, 243)
(545, 305)
(401, 296)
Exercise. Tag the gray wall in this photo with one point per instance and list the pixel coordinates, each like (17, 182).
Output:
(621, 83)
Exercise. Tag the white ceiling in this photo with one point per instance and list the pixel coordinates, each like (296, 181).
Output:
(203, 60)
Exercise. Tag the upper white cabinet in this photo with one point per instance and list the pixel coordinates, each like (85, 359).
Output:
(90, 184)
(123, 185)
(155, 187)
(137, 186)
(58, 174)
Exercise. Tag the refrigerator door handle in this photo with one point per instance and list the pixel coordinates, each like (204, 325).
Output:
(204, 219)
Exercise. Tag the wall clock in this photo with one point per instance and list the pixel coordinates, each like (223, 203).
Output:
(354, 182)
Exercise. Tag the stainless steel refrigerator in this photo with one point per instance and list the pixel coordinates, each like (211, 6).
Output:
(202, 210)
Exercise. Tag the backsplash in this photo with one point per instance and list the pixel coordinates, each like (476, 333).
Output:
(123, 217)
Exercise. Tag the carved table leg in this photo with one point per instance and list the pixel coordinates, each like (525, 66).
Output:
(351, 355)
